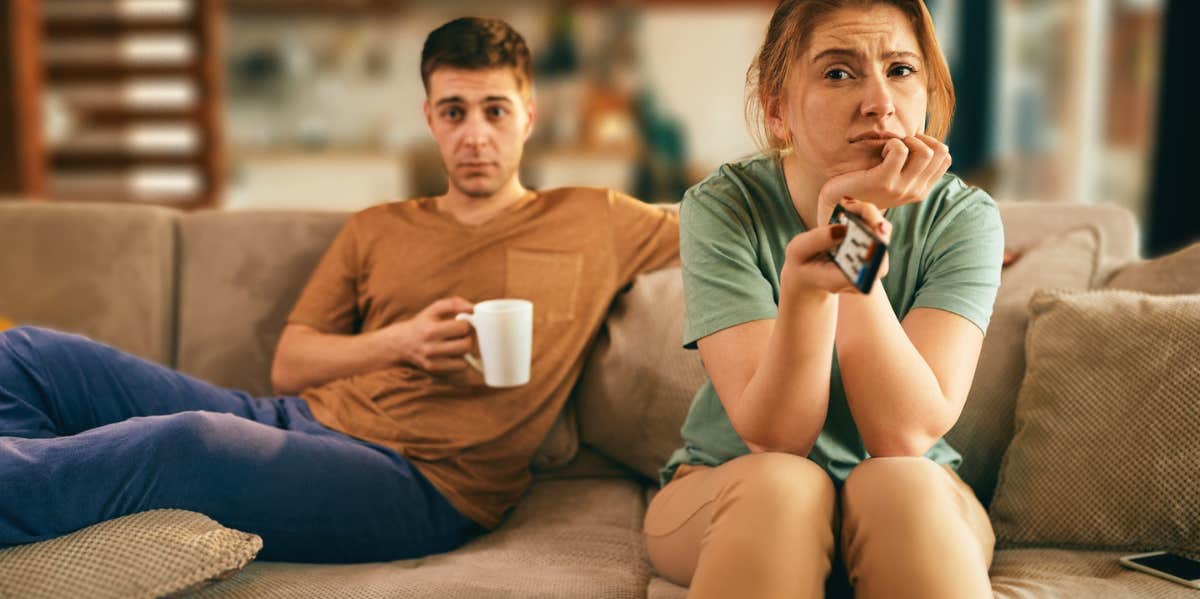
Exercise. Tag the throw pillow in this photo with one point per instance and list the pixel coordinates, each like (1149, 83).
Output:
(561, 444)
(1065, 261)
(1106, 453)
(1174, 273)
(148, 554)
(638, 382)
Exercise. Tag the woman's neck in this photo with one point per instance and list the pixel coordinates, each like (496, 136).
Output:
(804, 185)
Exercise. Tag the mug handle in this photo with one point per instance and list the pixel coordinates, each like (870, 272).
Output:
(471, 360)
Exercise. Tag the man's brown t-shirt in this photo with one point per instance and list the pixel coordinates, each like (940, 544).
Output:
(567, 250)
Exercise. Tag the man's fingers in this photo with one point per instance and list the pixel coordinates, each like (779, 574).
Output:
(448, 307)
(449, 329)
(444, 365)
(455, 348)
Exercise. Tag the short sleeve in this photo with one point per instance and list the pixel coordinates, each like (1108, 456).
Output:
(723, 282)
(329, 302)
(962, 264)
(645, 237)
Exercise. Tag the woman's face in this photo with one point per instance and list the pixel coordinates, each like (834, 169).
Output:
(861, 81)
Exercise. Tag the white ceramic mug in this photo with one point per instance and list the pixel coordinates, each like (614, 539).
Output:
(504, 328)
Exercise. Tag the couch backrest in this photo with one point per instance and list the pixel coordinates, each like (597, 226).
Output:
(1026, 223)
(105, 271)
(208, 292)
(240, 274)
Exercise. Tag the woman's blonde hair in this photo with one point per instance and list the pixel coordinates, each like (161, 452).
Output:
(787, 39)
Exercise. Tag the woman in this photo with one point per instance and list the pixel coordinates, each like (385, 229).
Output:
(821, 427)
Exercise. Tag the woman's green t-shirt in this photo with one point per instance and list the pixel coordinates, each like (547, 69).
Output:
(945, 252)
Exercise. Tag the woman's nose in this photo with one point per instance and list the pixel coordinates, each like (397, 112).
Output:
(877, 98)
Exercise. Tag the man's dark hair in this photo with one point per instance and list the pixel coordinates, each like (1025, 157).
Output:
(473, 43)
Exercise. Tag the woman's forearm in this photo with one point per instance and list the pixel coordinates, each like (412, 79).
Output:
(894, 396)
(783, 406)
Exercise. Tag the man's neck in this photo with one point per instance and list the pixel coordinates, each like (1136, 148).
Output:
(470, 210)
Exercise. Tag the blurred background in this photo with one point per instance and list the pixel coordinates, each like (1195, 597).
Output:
(316, 104)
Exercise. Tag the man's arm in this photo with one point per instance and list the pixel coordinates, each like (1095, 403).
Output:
(645, 237)
(432, 341)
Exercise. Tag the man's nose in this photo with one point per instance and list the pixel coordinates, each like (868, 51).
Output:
(475, 131)
(877, 98)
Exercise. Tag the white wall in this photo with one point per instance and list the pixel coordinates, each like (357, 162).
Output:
(697, 60)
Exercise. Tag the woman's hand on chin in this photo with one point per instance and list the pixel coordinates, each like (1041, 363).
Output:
(911, 166)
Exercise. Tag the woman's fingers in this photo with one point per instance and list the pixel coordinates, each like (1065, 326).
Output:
(938, 166)
(814, 243)
(920, 154)
(872, 215)
(895, 155)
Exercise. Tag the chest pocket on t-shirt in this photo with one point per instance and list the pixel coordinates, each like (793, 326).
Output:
(548, 279)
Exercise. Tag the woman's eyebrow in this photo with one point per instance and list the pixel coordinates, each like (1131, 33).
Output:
(848, 53)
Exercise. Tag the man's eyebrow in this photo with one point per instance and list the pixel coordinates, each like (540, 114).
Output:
(461, 100)
(847, 53)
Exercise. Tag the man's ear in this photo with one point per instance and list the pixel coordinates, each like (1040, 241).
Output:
(428, 110)
(531, 111)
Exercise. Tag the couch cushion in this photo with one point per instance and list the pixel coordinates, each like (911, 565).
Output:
(102, 270)
(638, 382)
(1027, 223)
(148, 554)
(1065, 261)
(240, 275)
(1040, 574)
(1106, 451)
(1064, 574)
(1174, 273)
(567, 538)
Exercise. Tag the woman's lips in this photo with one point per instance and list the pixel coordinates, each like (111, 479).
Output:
(871, 143)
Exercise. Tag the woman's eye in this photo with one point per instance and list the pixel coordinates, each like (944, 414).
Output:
(836, 74)
(902, 70)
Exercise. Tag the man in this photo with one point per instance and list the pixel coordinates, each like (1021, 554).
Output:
(384, 444)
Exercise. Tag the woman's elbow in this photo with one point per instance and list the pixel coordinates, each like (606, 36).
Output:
(761, 438)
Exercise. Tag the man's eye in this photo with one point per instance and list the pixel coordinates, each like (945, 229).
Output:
(452, 114)
(497, 111)
(836, 74)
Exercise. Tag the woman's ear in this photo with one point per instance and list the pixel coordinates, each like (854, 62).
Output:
(777, 121)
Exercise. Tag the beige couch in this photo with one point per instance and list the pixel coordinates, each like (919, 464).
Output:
(208, 293)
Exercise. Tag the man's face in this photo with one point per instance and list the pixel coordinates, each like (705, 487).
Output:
(480, 122)
(861, 82)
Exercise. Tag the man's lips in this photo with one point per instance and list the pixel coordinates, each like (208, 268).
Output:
(476, 164)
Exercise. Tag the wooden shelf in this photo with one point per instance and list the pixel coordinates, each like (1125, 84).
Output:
(94, 54)
(315, 6)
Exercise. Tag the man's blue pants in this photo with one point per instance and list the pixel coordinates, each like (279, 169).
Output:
(88, 433)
